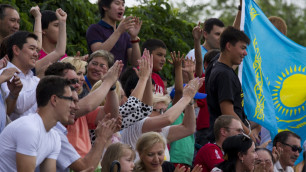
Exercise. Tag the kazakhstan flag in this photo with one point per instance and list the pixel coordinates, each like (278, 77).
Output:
(273, 75)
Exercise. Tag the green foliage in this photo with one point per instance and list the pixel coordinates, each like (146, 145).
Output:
(160, 21)
(81, 14)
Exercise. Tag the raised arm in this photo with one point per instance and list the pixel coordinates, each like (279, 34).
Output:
(134, 52)
(112, 103)
(144, 73)
(178, 85)
(35, 11)
(160, 121)
(95, 98)
(60, 46)
(197, 34)
(185, 129)
(237, 20)
(108, 45)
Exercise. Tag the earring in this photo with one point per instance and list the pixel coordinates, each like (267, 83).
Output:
(242, 161)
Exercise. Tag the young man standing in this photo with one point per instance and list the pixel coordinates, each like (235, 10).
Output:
(211, 33)
(121, 40)
(30, 141)
(224, 92)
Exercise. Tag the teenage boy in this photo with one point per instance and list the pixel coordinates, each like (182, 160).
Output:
(30, 141)
(121, 40)
(223, 88)
(158, 49)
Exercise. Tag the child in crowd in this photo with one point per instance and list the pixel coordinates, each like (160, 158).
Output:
(158, 49)
(120, 152)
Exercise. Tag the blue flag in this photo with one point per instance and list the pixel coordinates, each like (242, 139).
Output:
(273, 75)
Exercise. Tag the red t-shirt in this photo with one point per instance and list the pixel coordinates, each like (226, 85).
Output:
(209, 156)
(203, 116)
(159, 84)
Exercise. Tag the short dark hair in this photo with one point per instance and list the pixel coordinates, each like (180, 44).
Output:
(222, 121)
(48, 86)
(232, 35)
(210, 55)
(58, 68)
(2, 10)
(130, 84)
(209, 24)
(104, 3)
(153, 44)
(47, 16)
(18, 38)
(282, 137)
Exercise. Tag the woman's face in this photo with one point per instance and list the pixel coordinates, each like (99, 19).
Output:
(249, 158)
(154, 157)
(81, 74)
(264, 159)
(127, 161)
(96, 68)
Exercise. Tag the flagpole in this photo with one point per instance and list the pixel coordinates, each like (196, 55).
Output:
(242, 29)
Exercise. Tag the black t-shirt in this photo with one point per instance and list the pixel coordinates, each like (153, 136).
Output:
(168, 166)
(223, 85)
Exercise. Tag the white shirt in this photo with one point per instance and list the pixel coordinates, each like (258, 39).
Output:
(27, 135)
(131, 134)
(68, 154)
(279, 168)
(26, 102)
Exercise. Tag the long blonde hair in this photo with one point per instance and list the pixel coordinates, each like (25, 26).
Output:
(114, 152)
(144, 143)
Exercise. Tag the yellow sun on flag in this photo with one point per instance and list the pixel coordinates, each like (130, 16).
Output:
(289, 92)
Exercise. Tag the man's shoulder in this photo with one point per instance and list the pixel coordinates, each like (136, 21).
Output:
(209, 147)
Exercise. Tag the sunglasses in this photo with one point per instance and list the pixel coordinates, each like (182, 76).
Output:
(74, 81)
(65, 97)
(294, 148)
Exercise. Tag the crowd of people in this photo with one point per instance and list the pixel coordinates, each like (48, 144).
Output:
(111, 110)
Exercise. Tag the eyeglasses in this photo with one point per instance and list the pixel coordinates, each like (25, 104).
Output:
(161, 111)
(245, 137)
(74, 81)
(65, 97)
(294, 148)
(239, 130)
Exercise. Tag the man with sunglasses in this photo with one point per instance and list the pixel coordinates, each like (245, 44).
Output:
(290, 143)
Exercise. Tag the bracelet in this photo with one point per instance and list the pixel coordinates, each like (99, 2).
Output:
(112, 88)
(136, 40)
(239, 7)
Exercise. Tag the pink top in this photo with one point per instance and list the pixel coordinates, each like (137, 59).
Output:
(43, 54)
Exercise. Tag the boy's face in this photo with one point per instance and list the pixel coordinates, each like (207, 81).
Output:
(52, 31)
(213, 38)
(159, 59)
(115, 11)
(27, 56)
(238, 51)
